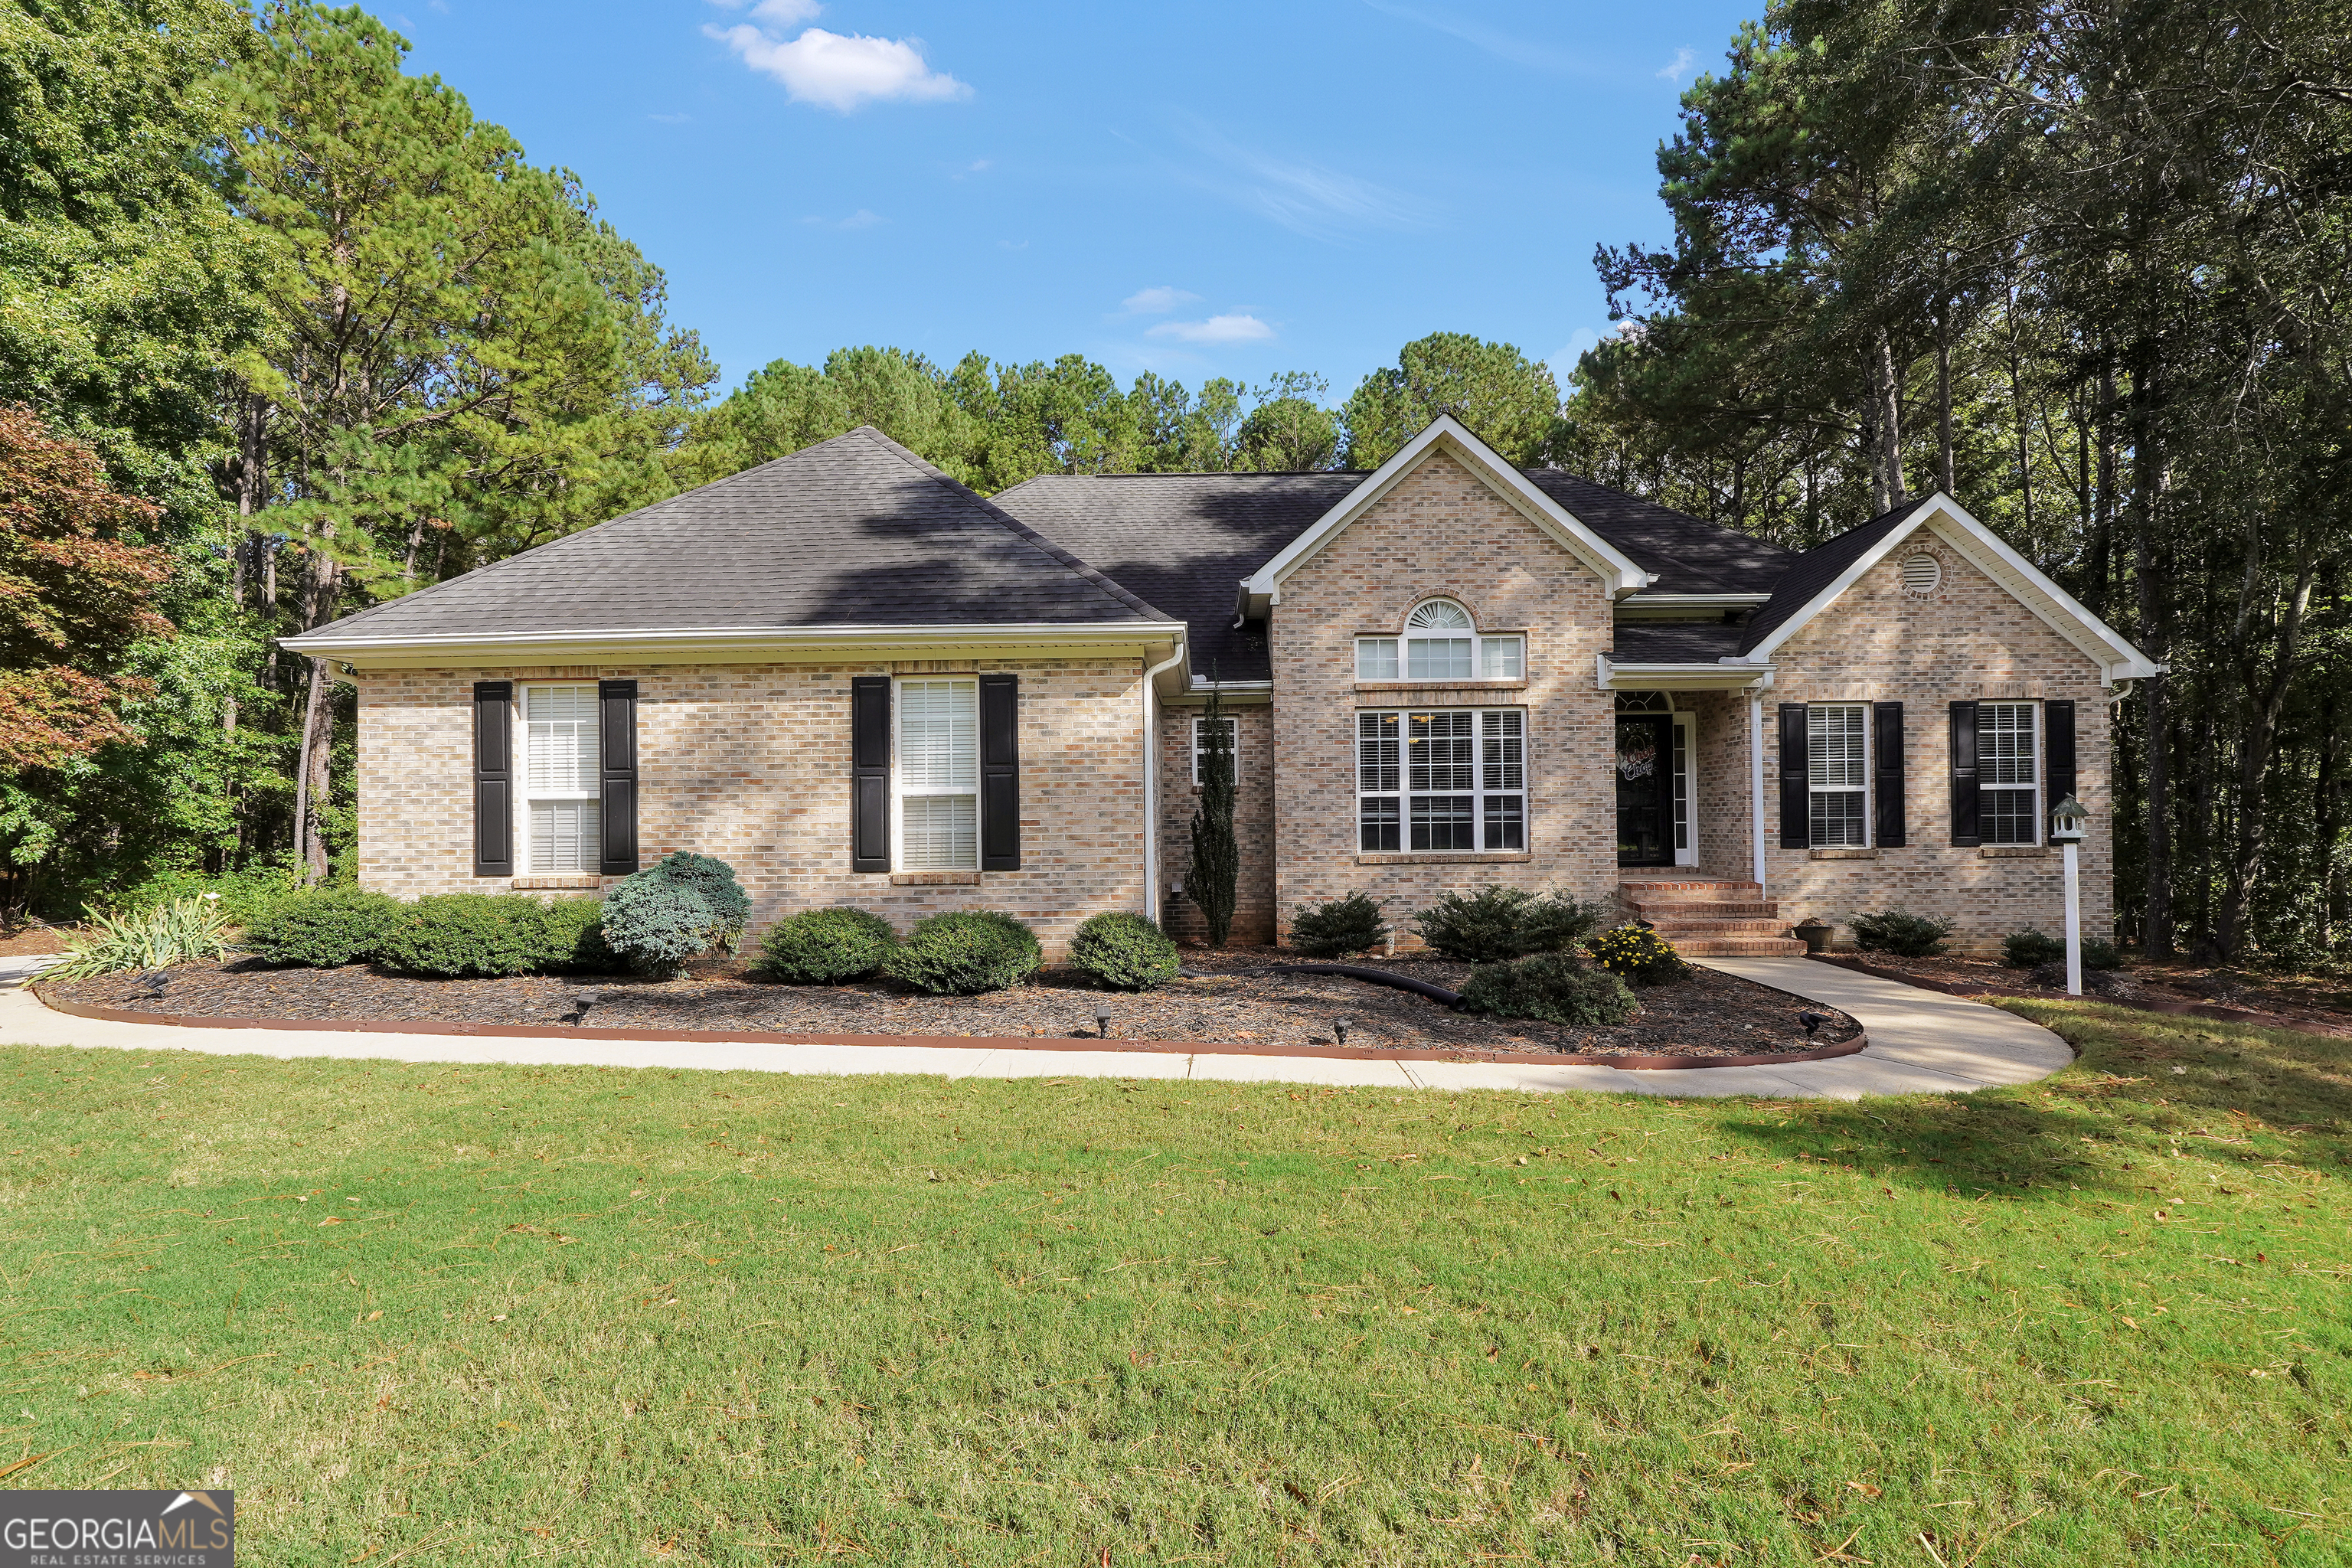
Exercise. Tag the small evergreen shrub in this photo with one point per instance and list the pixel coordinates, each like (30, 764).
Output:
(466, 936)
(575, 939)
(1339, 928)
(1901, 932)
(325, 928)
(825, 947)
(2098, 952)
(680, 907)
(157, 937)
(1123, 951)
(1498, 922)
(2030, 949)
(1638, 954)
(1549, 986)
(964, 954)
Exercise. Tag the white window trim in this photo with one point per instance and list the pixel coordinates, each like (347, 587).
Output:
(1865, 791)
(519, 726)
(1405, 792)
(2035, 727)
(899, 794)
(1481, 643)
(1199, 719)
(1686, 803)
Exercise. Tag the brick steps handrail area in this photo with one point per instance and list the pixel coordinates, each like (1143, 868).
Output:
(1704, 918)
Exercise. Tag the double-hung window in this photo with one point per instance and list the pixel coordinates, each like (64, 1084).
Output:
(2009, 781)
(1440, 644)
(1838, 764)
(1451, 778)
(1232, 729)
(939, 775)
(560, 812)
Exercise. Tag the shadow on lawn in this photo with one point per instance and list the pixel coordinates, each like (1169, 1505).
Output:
(2136, 1076)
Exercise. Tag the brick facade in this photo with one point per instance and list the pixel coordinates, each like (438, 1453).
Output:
(1440, 531)
(750, 763)
(1970, 638)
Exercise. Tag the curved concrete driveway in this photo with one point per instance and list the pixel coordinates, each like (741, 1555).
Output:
(1920, 1042)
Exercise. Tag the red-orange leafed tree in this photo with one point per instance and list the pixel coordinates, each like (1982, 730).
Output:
(74, 596)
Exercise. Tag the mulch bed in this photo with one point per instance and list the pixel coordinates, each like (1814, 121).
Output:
(2179, 988)
(1710, 1014)
(30, 939)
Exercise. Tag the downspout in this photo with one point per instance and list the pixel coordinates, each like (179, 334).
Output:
(1151, 783)
(1755, 784)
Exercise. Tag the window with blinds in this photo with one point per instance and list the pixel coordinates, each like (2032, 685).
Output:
(1452, 779)
(2008, 781)
(939, 775)
(1838, 766)
(559, 779)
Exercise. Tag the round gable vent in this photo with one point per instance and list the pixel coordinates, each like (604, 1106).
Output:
(1921, 574)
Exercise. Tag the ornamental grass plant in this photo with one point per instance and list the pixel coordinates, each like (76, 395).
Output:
(182, 931)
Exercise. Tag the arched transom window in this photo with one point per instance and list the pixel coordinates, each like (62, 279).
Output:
(1440, 644)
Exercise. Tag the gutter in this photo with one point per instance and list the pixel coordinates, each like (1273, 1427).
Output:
(709, 645)
(1151, 781)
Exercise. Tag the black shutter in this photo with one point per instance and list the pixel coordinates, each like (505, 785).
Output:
(1964, 775)
(2058, 740)
(869, 772)
(493, 778)
(616, 703)
(1886, 773)
(1796, 777)
(1000, 772)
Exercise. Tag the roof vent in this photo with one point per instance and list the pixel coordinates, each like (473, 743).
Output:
(1922, 574)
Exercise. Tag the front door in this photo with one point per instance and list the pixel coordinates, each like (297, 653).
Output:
(1645, 791)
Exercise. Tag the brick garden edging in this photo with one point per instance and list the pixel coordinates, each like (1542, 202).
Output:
(948, 1042)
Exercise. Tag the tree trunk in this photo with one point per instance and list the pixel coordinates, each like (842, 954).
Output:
(312, 774)
(1944, 402)
(2257, 748)
(2325, 791)
(2155, 932)
(1885, 423)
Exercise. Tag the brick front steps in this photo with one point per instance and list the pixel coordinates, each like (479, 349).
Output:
(1703, 918)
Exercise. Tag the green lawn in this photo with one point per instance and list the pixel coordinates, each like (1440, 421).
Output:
(435, 1315)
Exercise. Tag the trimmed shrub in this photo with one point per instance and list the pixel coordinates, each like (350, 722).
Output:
(1123, 951)
(460, 936)
(962, 954)
(825, 947)
(678, 908)
(2098, 952)
(1339, 928)
(1549, 986)
(2030, 949)
(575, 939)
(1638, 954)
(1498, 922)
(326, 929)
(1901, 932)
(181, 931)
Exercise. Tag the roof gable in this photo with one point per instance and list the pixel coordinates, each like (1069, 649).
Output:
(1818, 577)
(1619, 573)
(853, 532)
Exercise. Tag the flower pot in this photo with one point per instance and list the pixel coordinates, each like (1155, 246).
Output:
(1815, 933)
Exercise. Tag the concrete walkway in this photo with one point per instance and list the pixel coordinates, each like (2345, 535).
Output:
(1920, 1042)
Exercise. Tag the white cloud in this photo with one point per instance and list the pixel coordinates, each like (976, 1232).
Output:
(1305, 198)
(1679, 67)
(1156, 301)
(1495, 42)
(1233, 328)
(837, 70)
(861, 218)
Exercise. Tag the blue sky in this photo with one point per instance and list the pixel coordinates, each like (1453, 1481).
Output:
(1203, 190)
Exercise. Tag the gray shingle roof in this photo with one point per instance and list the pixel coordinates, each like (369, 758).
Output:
(1183, 542)
(853, 531)
(1675, 642)
(1816, 569)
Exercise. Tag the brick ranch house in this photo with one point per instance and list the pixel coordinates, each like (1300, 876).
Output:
(859, 682)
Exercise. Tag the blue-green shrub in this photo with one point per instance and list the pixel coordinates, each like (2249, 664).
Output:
(678, 908)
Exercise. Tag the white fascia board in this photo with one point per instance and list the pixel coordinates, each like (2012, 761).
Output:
(1619, 572)
(1950, 521)
(718, 645)
(1686, 606)
(1723, 674)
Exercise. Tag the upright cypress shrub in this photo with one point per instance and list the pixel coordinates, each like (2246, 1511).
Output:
(1216, 858)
